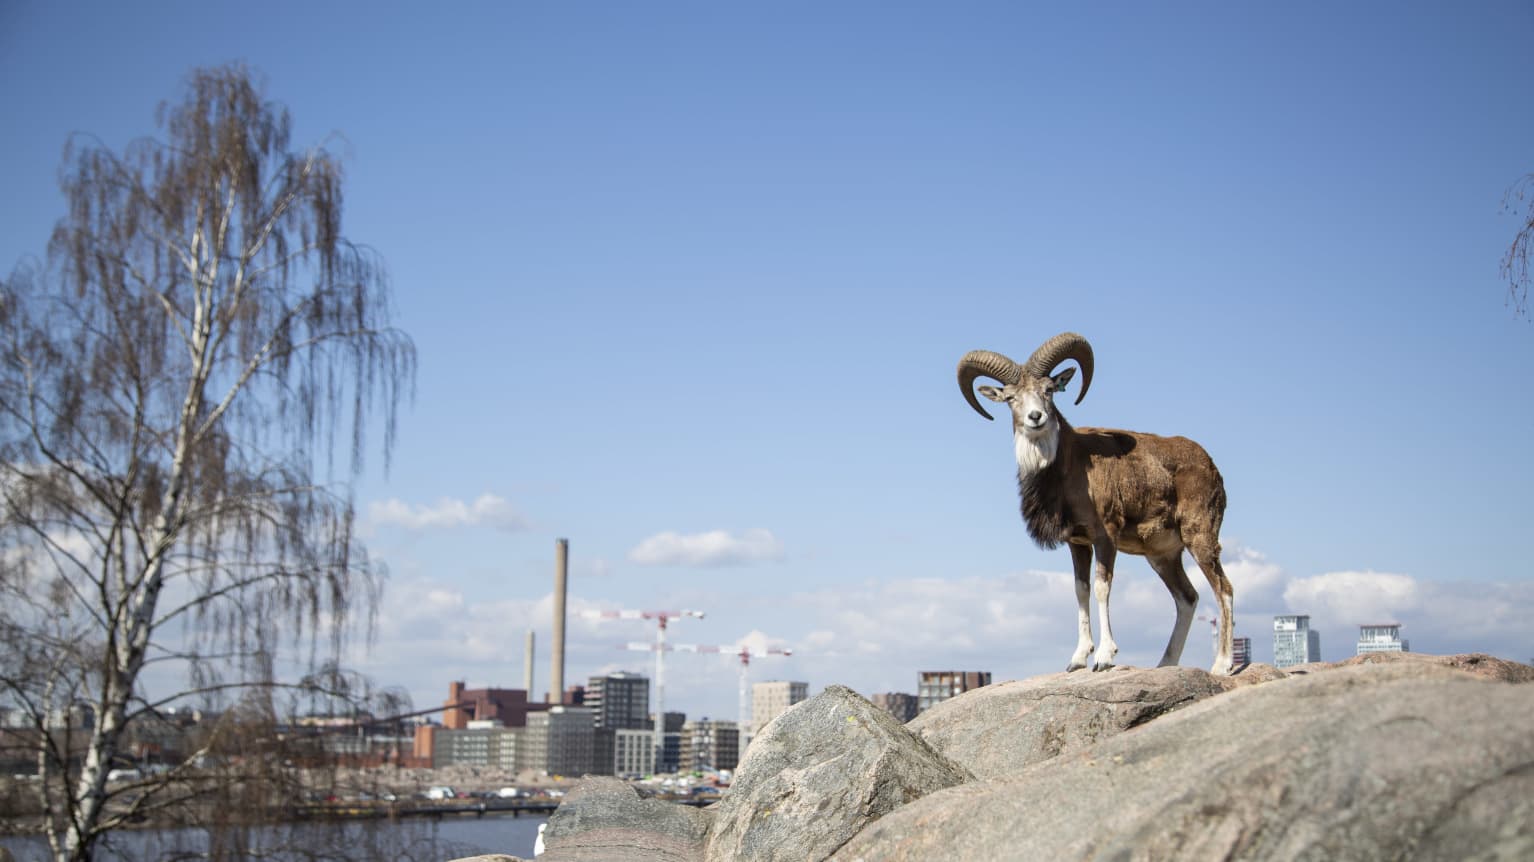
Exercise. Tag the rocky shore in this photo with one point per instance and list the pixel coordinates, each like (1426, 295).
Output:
(1391, 755)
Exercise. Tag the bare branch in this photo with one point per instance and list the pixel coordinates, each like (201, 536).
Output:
(1515, 264)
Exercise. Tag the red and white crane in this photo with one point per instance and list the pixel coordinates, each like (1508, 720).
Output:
(744, 653)
(661, 618)
(1214, 628)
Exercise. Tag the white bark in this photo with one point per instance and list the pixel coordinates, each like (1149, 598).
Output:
(131, 635)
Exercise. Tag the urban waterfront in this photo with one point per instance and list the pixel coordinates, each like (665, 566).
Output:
(419, 839)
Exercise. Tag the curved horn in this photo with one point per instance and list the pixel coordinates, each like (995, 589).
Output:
(1066, 345)
(985, 363)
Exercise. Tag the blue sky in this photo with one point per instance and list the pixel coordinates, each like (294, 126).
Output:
(689, 282)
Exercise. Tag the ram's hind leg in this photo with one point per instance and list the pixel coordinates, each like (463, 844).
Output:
(1081, 562)
(1176, 579)
(1206, 552)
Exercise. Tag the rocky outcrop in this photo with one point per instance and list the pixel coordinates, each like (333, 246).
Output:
(1389, 756)
(996, 731)
(1366, 762)
(817, 775)
(605, 819)
(1474, 664)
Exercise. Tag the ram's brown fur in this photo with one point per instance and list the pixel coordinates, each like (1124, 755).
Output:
(1145, 491)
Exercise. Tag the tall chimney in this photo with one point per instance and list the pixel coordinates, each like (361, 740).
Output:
(561, 583)
(527, 666)
(454, 717)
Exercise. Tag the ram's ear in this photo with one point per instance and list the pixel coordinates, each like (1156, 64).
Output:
(1060, 380)
(991, 392)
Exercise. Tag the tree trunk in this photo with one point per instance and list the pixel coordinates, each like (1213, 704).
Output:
(133, 634)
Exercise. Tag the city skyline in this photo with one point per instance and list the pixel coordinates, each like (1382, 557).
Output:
(688, 285)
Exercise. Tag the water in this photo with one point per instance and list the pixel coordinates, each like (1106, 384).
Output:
(421, 839)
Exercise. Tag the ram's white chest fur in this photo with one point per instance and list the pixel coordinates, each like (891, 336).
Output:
(1036, 451)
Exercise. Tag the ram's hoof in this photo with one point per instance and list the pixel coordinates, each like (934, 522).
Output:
(1104, 666)
(1074, 666)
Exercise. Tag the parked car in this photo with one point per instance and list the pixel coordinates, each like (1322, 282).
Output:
(441, 792)
(508, 793)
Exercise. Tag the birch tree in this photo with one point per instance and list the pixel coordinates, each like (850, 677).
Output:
(186, 388)
(1515, 264)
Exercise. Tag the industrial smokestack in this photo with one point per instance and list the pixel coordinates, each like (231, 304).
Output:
(561, 584)
(527, 666)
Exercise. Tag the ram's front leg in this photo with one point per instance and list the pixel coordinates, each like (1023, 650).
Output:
(1102, 585)
(1081, 562)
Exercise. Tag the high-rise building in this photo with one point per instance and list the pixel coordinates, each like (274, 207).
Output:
(710, 745)
(671, 741)
(671, 753)
(620, 700)
(563, 741)
(1294, 641)
(771, 699)
(899, 704)
(935, 686)
(1241, 651)
(1382, 637)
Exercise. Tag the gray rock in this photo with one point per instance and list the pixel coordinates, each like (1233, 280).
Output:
(1474, 664)
(1388, 760)
(997, 730)
(817, 775)
(606, 820)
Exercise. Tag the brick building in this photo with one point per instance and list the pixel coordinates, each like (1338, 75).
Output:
(508, 706)
(899, 704)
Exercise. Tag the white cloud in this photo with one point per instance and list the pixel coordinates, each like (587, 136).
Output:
(1362, 597)
(1257, 580)
(878, 633)
(1440, 617)
(820, 640)
(759, 641)
(487, 510)
(878, 636)
(714, 548)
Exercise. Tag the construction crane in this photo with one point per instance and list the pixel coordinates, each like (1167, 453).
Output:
(744, 653)
(661, 618)
(1214, 630)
